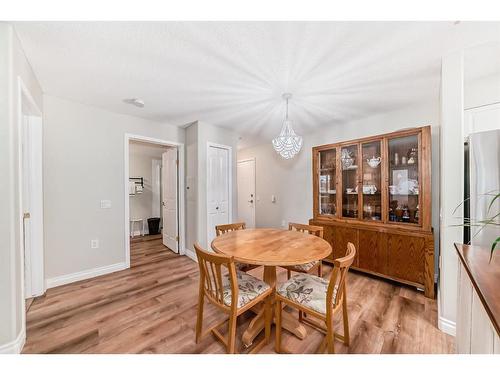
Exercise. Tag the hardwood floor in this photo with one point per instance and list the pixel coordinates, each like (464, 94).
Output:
(151, 308)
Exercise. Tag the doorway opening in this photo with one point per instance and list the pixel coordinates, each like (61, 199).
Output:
(154, 203)
(30, 197)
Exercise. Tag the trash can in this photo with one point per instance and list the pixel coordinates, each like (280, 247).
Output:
(154, 225)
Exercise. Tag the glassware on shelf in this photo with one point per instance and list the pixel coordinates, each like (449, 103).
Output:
(372, 180)
(404, 179)
(349, 158)
(327, 182)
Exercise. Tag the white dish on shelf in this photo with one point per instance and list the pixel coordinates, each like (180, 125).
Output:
(374, 162)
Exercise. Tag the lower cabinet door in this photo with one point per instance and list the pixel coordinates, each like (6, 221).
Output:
(343, 236)
(372, 251)
(405, 255)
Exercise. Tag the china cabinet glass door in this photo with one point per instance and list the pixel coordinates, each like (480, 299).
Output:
(404, 180)
(372, 180)
(327, 182)
(350, 162)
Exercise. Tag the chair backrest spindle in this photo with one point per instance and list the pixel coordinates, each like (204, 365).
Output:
(210, 265)
(311, 229)
(338, 277)
(225, 228)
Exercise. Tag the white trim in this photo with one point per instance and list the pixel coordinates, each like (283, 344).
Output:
(254, 185)
(447, 326)
(24, 96)
(230, 179)
(469, 123)
(191, 254)
(180, 169)
(15, 346)
(83, 275)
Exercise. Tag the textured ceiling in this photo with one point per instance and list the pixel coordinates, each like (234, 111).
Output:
(232, 74)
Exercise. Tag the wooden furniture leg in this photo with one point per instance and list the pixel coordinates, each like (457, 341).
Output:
(277, 344)
(257, 324)
(199, 319)
(345, 316)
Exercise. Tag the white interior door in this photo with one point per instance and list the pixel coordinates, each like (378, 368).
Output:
(26, 201)
(246, 192)
(169, 196)
(218, 175)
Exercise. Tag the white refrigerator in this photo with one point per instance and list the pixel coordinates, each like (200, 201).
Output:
(482, 182)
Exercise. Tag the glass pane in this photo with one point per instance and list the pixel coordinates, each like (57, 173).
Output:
(403, 180)
(349, 158)
(327, 178)
(372, 178)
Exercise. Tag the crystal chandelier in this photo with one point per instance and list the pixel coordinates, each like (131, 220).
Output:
(287, 144)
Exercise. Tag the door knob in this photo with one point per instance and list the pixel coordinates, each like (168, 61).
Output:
(250, 201)
(216, 208)
(26, 215)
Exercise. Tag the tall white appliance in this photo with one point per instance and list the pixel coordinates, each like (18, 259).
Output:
(482, 182)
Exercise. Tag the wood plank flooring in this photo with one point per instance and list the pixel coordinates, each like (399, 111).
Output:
(151, 308)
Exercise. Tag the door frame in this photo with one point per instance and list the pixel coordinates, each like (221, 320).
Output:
(180, 197)
(254, 183)
(36, 198)
(230, 182)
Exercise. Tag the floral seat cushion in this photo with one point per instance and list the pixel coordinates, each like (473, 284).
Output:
(303, 267)
(307, 290)
(249, 288)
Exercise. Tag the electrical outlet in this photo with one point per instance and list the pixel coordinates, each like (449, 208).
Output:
(94, 244)
(105, 203)
(283, 223)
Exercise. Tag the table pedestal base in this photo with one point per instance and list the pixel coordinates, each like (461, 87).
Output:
(257, 324)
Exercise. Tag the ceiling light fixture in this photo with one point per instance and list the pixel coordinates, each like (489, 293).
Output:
(287, 144)
(135, 101)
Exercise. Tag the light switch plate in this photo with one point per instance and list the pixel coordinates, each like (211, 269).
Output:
(94, 244)
(105, 203)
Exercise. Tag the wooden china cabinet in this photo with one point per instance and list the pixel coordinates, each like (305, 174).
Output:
(376, 193)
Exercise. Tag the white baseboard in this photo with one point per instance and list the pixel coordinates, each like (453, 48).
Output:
(191, 254)
(82, 275)
(14, 347)
(447, 326)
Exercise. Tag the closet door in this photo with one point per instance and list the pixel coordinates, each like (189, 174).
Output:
(217, 189)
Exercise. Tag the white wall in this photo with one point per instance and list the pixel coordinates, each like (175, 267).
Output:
(198, 135)
(481, 75)
(452, 154)
(141, 156)
(482, 91)
(84, 163)
(191, 187)
(13, 64)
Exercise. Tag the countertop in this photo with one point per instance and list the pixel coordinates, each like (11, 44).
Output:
(485, 277)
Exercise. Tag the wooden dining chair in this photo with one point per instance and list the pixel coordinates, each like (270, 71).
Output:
(233, 292)
(226, 228)
(320, 298)
(311, 267)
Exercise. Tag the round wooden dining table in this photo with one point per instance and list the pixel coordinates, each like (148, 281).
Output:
(270, 247)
